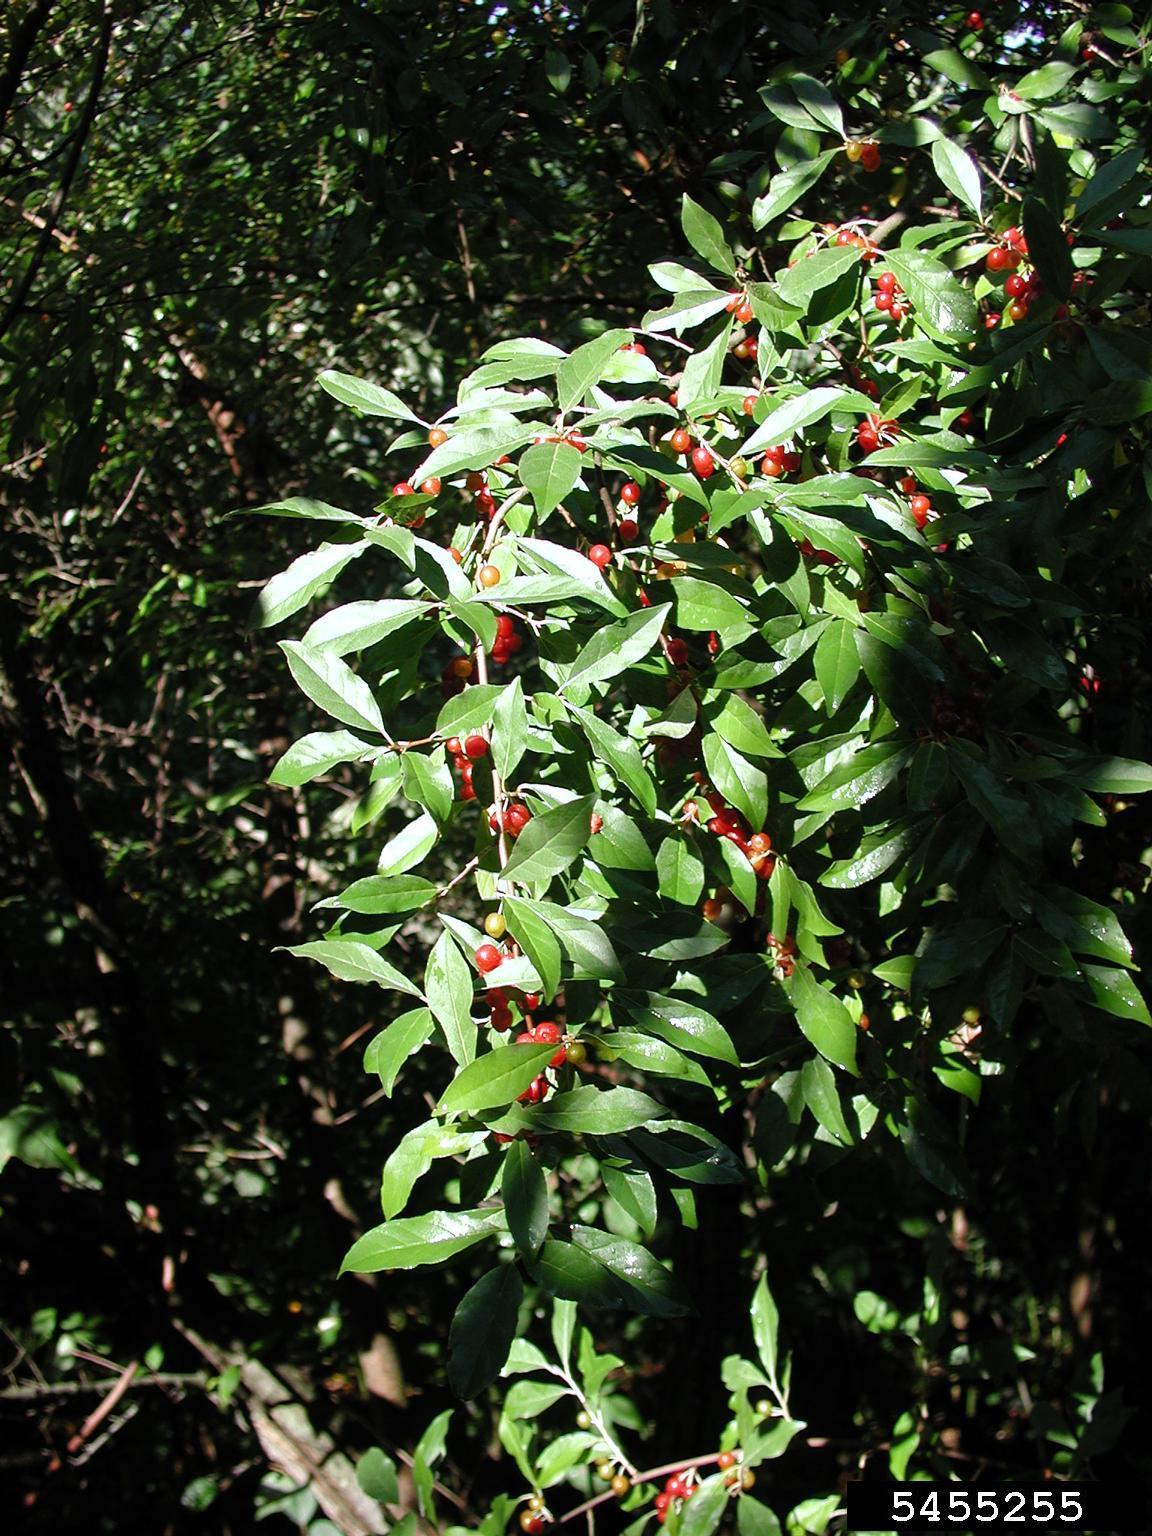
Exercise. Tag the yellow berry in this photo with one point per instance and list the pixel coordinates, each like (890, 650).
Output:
(494, 925)
(853, 149)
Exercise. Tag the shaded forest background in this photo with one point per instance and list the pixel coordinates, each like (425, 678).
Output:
(201, 207)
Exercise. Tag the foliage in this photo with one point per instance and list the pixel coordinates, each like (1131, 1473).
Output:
(921, 1106)
(778, 777)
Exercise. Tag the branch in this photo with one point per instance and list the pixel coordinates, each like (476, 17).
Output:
(55, 208)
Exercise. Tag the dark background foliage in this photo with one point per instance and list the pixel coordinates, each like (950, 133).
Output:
(201, 207)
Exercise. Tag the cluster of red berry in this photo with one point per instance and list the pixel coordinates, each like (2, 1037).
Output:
(875, 432)
(783, 952)
(677, 1488)
(890, 298)
(779, 461)
(727, 822)
(507, 641)
(864, 152)
(512, 820)
(465, 755)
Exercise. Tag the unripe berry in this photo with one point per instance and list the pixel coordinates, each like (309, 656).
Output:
(621, 1484)
(576, 1054)
(488, 576)
(436, 436)
(494, 925)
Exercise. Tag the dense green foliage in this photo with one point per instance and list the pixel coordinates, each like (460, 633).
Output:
(883, 1072)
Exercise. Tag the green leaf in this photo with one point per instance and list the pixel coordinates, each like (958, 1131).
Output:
(415, 1153)
(302, 507)
(856, 782)
(1116, 993)
(812, 273)
(755, 1519)
(706, 237)
(410, 846)
(739, 781)
(388, 1052)
(819, 103)
(578, 373)
(741, 727)
(705, 1509)
(356, 626)
(584, 941)
(483, 1330)
(551, 842)
(509, 729)
(959, 173)
(683, 1024)
(332, 684)
(558, 69)
(379, 894)
(1047, 248)
(680, 871)
(941, 304)
(469, 710)
(525, 1193)
(568, 1272)
(495, 1079)
(877, 852)
(308, 574)
(550, 471)
(1038, 84)
(958, 68)
(788, 187)
(818, 1085)
(616, 647)
(428, 782)
(823, 1018)
(315, 753)
(367, 398)
(429, 1450)
(448, 988)
(376, 1474)
(586, 1110)
(803, 410)
(645, 1285)
(1112, 775)
(621, 755)
(537, 940)
(416, 1240)
(554, 559)
(633, 1190)
(705, 605)
(837, 663)
(351, 961)
(765, 1326)
(1007, 813)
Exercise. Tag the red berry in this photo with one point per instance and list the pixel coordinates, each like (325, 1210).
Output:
(883, 302)
(744, 314)
(898, 311)
(991, 321)
(919, 505)
(518, 817)
(887, 282)
(677, 651)
(630, 492)
(703, 462)
(997, 259)
(476, 746)
(681, 440)
(748, 405)
(974, 21)
(1015, 286)
(600, 555)
(506, 625)
(908, 485)
(725, 1460)
(430, 487)
(596, 823)
(627, 530)
(403, 488)
(487, 958)
(531, 1002)
(1018, 309)
(475, 481)
(870, 157)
